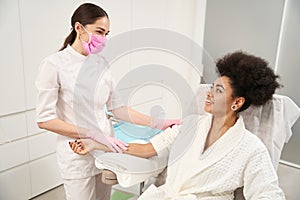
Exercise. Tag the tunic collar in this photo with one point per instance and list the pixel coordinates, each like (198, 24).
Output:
(75, 53)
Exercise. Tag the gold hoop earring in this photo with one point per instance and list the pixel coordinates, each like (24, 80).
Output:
(234, 107)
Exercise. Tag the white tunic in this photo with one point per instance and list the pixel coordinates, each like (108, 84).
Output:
(61, 94)
(237, 159)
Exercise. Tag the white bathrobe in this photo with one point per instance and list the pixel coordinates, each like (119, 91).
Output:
(236, 159)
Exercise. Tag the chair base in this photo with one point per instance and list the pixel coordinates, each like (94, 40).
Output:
(109, 177)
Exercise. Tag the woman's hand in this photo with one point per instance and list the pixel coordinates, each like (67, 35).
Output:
(86, 145)
(117, 145)
(112, 143)
(83, 146)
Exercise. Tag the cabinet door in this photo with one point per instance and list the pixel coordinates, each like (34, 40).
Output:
(11, 70)
(15, 183)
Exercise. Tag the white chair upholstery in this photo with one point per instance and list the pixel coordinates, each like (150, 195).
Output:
(272, 123)
(131, 170)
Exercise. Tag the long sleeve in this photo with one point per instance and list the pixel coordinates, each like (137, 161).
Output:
(47, 84)
(260, 179)
(163, 141)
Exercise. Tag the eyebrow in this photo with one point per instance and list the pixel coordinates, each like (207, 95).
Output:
(219, 85)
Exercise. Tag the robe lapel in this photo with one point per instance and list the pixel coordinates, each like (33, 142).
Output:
(181, 157)
(195, 160)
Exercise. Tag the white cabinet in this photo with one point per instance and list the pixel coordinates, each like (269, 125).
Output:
(12, 127)
(11, 70)
(32, 127)
(30, 179)
(42, 145)
(15, 183)
(13, 154)
(44, 174)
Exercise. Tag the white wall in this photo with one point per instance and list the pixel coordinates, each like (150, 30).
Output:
(31, 30)
(252, 26)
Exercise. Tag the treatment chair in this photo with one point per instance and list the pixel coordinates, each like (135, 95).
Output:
(271, 122)
(127, 170)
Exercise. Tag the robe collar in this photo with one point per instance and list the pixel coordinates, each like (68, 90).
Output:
(194, 160)
(217, 151)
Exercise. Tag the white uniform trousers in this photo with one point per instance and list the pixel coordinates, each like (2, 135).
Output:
(90, 188)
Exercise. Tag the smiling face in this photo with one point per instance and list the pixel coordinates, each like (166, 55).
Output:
(219, 99)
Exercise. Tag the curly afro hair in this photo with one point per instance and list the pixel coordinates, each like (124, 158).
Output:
(250, 77)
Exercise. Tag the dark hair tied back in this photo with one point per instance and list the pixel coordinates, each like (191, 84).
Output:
(86, 13)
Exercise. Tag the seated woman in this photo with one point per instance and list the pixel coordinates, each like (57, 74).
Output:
(212, 155)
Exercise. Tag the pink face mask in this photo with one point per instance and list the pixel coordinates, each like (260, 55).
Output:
(95, 44)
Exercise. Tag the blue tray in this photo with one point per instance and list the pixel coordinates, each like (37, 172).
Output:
(128, 132)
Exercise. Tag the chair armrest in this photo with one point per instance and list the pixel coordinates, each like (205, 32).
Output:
(131, 170)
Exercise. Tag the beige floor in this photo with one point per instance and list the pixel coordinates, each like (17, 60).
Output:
(289, 179)
(57, 193)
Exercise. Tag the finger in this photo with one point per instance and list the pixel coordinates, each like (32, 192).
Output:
(82, 151)
(124, 143)
(73, 144)
(79, 142)
(173, 122)
(77, 149)
(177, 122)
(111, 147)
(171, 126)
(121, 144)
(117, 148)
